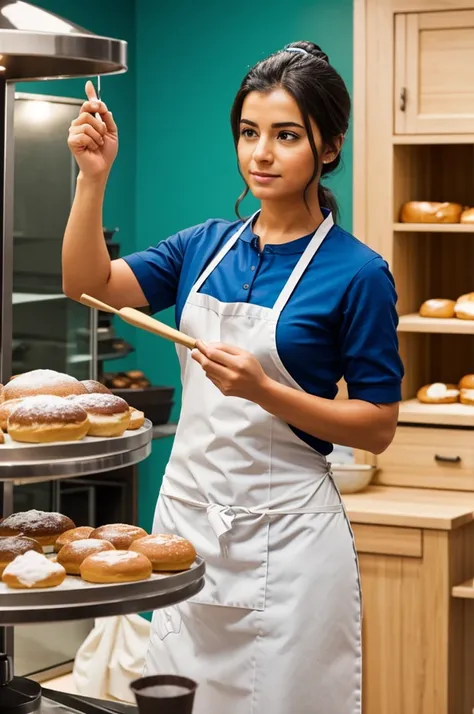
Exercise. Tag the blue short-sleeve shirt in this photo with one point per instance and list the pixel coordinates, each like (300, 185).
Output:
(340, 320)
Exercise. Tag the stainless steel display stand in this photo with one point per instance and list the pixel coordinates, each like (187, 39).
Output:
(75, 599)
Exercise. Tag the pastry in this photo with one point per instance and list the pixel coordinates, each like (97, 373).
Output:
(121, 535)
(6, 408)
(72, 535)
(467, 216)
(93, 387)
(33, 570)
(137, 418)
(135, 374)
(464, 310)
(2, 437)
(108, 414)
(45, 419)
(73, 554)
(467, 297)
(467, 382)
(466, 396)
(166, 552)
(438, 393)
(42, 526)
(115, 566)
(437, 307)
(1, 393)
(430, 212)
(12, 546)
(42, 381)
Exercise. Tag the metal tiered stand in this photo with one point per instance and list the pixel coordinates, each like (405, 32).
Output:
(35, 44)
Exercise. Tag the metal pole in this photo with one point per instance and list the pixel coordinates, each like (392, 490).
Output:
(7, 159)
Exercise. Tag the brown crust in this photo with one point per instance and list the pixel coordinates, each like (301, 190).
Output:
(6, 408)
(50, 582)
(466, 382)
(101, 404)
(467, 297)
(166, 552)
(12, 546)
(1, 393)
(30, 384)
(73, 554)
(47, 409)
(94, 387)
(437, 307)
(118, 566)
(42, 526)
(422, 396)
(2, 437)
(72, 535)
(121, 535)
(466, 396)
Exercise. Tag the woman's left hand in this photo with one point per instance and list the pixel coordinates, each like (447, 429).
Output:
(234, 371)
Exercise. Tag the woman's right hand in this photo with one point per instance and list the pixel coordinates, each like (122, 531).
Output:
(93, 143)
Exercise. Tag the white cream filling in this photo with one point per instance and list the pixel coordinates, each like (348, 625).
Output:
(440, 390)
(466, 307)
(107, 418)
(32, 568)
(468, 393)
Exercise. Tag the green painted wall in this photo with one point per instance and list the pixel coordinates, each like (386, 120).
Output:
(191, 58)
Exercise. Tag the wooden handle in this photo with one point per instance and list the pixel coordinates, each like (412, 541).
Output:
(97, 304)
(145, 322)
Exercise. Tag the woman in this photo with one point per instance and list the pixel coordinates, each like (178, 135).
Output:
(284, 304)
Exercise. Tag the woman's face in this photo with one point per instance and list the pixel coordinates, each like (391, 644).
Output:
(274, 152)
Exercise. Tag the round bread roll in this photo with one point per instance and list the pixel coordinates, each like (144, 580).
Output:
(464, 310)
(72, 535)
(6, 408)
(2, 437)
(438, 393)
(73, 554)
(42, 526)
(115, 566)
(16, 545)
(467, 216)
(430, 212)
(45, 419)
(33, 570)
(467, 297)
(42, 381)
(466, 396)
(93, 387)
(108, 414)
(121, 535)
(466, 382)
(438, 307)
(166, 552)
(137, 419)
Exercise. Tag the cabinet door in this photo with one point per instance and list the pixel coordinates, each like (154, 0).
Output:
(434, 72)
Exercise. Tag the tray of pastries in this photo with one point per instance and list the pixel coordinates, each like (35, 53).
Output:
(51, 570)
(441, 393)
(445, 308)
(48, 417)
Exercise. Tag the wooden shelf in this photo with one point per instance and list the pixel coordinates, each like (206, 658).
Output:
(414, 412)
(465, 590)
(433, 138)
(416, 323)
(434, 227)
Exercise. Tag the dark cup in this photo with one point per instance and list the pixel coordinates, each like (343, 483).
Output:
(164, 694)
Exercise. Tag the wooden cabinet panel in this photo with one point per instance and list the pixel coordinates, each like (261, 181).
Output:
(434, 72)
(388, 540)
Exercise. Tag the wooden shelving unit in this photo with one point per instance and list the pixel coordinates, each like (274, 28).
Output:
(413, 412)
(433, 227)
(415, 323)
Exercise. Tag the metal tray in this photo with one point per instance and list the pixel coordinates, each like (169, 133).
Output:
(91, 455)
(76, 599)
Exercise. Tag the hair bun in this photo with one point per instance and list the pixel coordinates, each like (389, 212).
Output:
(312, 49)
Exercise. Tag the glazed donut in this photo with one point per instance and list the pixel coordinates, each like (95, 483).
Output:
(6, 408)
(438, 393)
(45, 419)
(464, 310)
(438, 307)
(108, 414)
(33, 570)
(93, 387)
(16, 545)
(42, 381)
(467, 382)
(115, 566)
(121, 535)
(72, 535)
(137, 418)
(166, 552)
(41, 526)
(73, 554)
(467, 396)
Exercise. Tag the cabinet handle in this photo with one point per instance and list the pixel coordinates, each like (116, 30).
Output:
(403, 99)
(448, 459)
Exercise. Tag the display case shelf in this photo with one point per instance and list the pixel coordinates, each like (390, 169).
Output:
(434, 227)
(415, 323)
(414, 412)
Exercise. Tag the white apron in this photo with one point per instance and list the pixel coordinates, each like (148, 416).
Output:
(277, 627)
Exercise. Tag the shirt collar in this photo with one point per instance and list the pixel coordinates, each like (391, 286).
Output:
(291, 247)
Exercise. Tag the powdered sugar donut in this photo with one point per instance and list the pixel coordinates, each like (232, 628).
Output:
(137, 418)
(72, 555)
(45, 419)
(33, 570)
(166, 552)
(121, 535)
(94, 387)
(42, 381)
(42, 526)
(115, 566)
(108, 414)
(16, 545)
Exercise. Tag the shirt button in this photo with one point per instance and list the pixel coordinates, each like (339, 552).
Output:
(245, 286)
(252, 268)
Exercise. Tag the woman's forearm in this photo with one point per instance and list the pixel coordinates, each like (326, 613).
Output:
(85, 258)
(348, 422)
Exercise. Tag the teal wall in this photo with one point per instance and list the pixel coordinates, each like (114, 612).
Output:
(191, 58)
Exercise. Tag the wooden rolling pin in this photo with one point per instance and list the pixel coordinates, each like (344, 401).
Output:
(144, 322)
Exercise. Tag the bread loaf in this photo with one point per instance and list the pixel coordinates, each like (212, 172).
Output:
(430, 212)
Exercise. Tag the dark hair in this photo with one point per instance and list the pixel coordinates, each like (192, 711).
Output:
(320, 93)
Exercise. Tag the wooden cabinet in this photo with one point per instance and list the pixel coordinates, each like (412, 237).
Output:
(434, 72)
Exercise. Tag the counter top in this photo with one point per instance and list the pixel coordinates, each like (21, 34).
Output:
(410, 507)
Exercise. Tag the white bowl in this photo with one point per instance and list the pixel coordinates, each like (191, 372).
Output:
(351, 478)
